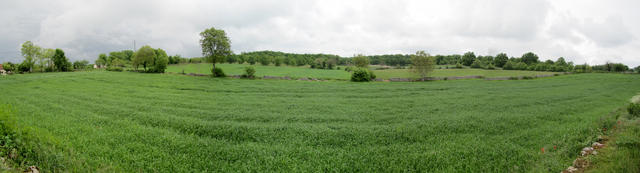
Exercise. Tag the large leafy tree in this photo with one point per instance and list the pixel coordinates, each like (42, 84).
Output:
(215, 45)
(361, 61)
(60, 61)
(29, 51)
(530, 58)
(102, 60)
(500, 60)
(160, 61)
(468, 58)
(422, 63)
(145, 56)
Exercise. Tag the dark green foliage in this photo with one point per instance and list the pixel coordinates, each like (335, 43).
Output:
(115, 68)
(500, 59)
(8, 66)
(80, 65)
(634, 109)
(217, 72)
(468, 58)
(478, 64)
(530, 58)
(249, 72)
(251, 60)
(265, 60)
(362, 75)
(61, 62)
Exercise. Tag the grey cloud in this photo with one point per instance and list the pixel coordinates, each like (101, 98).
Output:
(550, 28)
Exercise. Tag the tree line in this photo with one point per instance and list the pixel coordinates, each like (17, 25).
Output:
(39, 59)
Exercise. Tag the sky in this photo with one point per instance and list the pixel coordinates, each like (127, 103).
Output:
(585, 31)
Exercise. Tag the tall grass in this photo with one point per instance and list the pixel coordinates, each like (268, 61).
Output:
(174, 123)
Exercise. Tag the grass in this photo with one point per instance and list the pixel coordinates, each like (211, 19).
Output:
(405, 73)
(622, 153)
(297, 72)
(120, 121)
(238, 69)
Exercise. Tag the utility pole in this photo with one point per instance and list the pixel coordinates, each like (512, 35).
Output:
(134, 45)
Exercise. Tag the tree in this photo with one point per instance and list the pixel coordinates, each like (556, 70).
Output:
(561, 62)
(215, 45)
(500, 59)
(468, 58)
(422, 63)
(160, 61)
(144, 56)
(102, 60)
(29, 51)
(80, 64)
(361, 61)
(60, 61)
(530, 58)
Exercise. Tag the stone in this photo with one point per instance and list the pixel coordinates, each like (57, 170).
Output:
(572, 169)
(597, 145)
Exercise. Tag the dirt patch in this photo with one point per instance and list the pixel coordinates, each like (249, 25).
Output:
(635, 99)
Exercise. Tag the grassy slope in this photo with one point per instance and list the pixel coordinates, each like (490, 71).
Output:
(237, 69)
(153, 122)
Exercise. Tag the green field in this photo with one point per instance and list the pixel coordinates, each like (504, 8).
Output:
(297, 72)
(238, 69)
(122, 121)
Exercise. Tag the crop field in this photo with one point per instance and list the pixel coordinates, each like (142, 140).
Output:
(297, 72)
(122, 121)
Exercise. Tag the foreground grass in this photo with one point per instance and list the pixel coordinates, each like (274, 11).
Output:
(174, 123)
(622, 153)
(298, 72)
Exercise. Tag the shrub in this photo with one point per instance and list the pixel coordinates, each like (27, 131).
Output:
(217, 72)
(349, 68)
(634, 109)
(477, 64)
(249, 72)
(527, 77)
(112, 68)
(337, 68)
(362, 75)
(458, 65)
(23, 67)
(491, 67)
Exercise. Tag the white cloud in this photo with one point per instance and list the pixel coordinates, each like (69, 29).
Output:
(587, 31)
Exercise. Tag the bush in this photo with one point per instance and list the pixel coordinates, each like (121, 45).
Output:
(634, 109)
(217, 72)
(111, 68)
(458, 65)
(23, 67)
(362, 75)
(477, 64)
(491, 67)
(249, 72)
(349, 69)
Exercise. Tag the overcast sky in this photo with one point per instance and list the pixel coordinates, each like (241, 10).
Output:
(592, 31)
